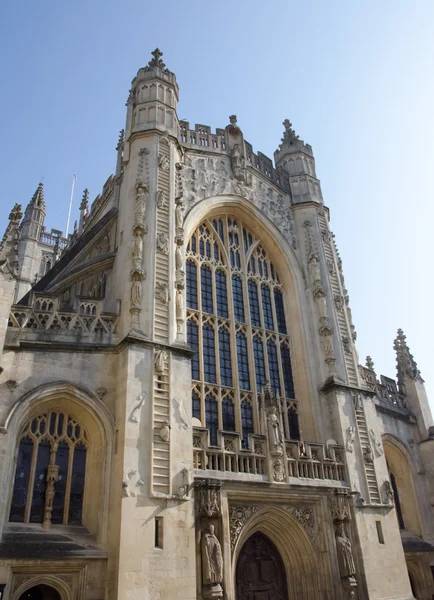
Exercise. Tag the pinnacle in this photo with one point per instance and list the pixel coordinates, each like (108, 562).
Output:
(38, 196)
(156, 60)
(85, 200)
(370, 363)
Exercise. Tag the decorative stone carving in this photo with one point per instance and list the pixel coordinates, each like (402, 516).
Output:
(388, 495)
(339, 506)
(132, 483)
(136, 294)
(238, 517)
(162, 292)
(339, 301)
(181, 415)
(163, 243)
(101, 392)
(161, 199)
(349, 438)
(370, 363)
(9, 243)
(357, 399)
(278, 470)
(164, 431)
(163, 162)
(208, 497)
(345, 554)
(346, 344)
(238, 163)
(179, 314)
(367, 454)
(141, 398)
(19, 579)
(330, 267)
(275, 437)
(184, 488)
(212, 564)
(11, 384)
(376, 443)
(141, 206)
(159, 361)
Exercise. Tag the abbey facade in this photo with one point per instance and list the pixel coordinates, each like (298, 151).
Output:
(183, 414)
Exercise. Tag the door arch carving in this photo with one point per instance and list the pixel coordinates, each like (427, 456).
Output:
(260, 572)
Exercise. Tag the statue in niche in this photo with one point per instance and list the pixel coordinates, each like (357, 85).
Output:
(179, 209)
(141, 203)
(315, 273)
(136, 294)
(137, 246)
(274, 431)
(179, 262)
(345, 555)
(179, 306)
(279, 470)
(212, 558)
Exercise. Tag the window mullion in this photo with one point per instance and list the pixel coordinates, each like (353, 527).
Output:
(31, 479)
(68, 485)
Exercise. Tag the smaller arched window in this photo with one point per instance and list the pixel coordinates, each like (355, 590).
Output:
(50, 472)
(246, 422)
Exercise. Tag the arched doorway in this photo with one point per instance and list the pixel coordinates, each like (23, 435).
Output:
(40, 592)
(260, 573)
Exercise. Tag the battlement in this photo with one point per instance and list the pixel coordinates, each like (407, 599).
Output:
(202, 138)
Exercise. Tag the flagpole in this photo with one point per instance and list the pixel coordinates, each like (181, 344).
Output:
(70, 206)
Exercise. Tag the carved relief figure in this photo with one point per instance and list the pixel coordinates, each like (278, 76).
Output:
(160, 359)
(164, 432)
(212, 558)
(163, 243)
(162, 292)
(137, 247)
(141, 203)
(279, 470)
(350, 437)
(378, 445)
(345, 555)
(163, 162)
(136, 294)
(237, 162)
(179, 209)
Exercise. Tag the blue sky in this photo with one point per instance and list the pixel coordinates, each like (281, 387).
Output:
(355, 78)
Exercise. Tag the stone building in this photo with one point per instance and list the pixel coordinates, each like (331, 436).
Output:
(183, 413)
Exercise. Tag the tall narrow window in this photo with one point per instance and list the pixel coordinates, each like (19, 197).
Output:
(221, 294)
(212, 418)
(243, 362)
(191, 284)
(236, 324)
(225, 357)
(246, 423)
(255, 315)
(209, 366)
(57, 442)
(228, 415)
(206, 289)
(266, 307)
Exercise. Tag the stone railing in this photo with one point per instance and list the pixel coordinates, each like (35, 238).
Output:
(307, 460)
(44, 314)
(228, 455)
(386, 392)
(53, 239)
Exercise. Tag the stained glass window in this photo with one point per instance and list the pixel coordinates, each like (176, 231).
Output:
(58, 442)
(237, 327)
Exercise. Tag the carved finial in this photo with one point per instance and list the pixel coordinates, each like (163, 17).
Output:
(289, 134)
(370, 363)
(9, 243)
(16, 214)
(406, 366)
(121, 139)
(85, 200)
(156, 60)
(38, 196)
(233, 119)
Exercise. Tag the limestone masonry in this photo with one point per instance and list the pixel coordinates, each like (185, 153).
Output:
(183, 414)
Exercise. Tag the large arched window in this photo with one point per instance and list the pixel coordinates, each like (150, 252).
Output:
(237, 326)
(50, 472)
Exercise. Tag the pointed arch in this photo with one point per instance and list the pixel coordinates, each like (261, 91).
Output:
(292, 543)
(52, 581)
(64, 396)
(291, 277)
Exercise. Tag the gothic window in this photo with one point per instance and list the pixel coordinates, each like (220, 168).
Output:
(50, 472)
(236, 325)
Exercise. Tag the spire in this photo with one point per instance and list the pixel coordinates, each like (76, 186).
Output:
(121, 139)
(406, 366)
(38, 197)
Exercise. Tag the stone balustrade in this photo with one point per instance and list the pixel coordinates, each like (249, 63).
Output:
(307, 460)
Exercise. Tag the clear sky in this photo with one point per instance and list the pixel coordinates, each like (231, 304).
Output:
(356, 78)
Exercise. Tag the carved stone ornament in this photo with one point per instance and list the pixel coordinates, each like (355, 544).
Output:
(278, 470)
(339, 301)
(141, 398)
(132, 483)
(161, 199)
(212, 564)
(376, 443)
(101, 392)
(208, 497)
(162, 292)
(388, 495)
(344, 551)
(339, 506)
(346, 344)
(159, 361)
(163, 243)
(240, 514)
(163, 162)
(179, 305)
(350, 436)
(357, 399)
(164, 431)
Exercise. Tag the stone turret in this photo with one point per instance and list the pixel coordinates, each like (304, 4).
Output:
(153, 99)
(411, 384)
(295, 158)
(34, 216)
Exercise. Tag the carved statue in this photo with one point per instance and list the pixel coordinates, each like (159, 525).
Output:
(137, 246)
(179, 221)
(162, 292)
(136, 294)
(345, 555)
(160, 358)
(315, 273)
(237, 162)
(179, 262)
(163, 243)
(274, 431)
(141, 203)
(163, 162)
(179, 306)
(378, 445)
(279, 470)
(212, 558)
(164, 432)
(388, 493)
(350, 437)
